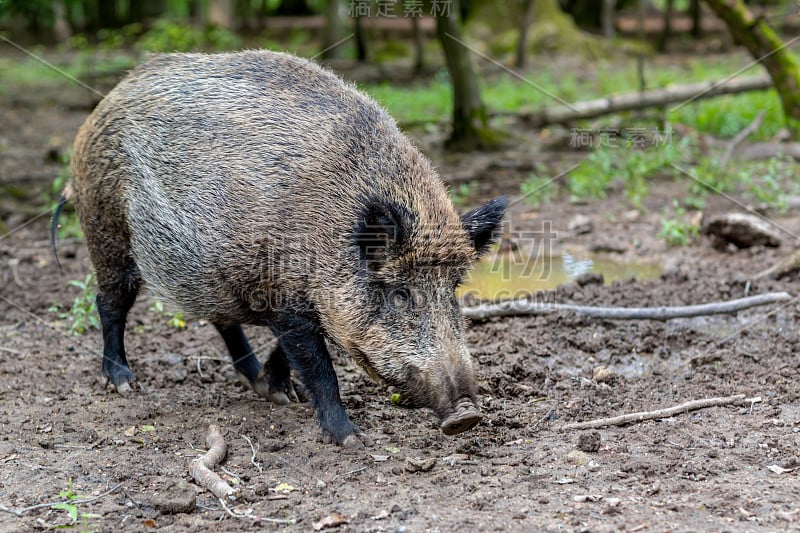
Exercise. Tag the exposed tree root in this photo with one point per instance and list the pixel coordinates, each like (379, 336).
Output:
(200, 468)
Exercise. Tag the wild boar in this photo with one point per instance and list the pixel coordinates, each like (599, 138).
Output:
(260, 188)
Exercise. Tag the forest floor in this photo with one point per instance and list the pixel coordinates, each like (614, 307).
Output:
(727, 468)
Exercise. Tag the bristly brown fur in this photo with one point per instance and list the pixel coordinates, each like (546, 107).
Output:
(215, 178)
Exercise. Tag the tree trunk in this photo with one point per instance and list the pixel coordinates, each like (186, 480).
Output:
(607, 18)
(765, 46)
(220, 13)
(470, 120)
(697, 18)
(361, 42)
(667, 31)
(332, 33)
(524, 27)
(419, 46)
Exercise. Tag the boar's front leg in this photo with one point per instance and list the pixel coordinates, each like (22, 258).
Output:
(272, 381)
(304, 345)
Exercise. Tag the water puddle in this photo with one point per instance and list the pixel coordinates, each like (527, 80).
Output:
(513, 276)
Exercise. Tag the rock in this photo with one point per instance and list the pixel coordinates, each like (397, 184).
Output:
(589, 442)
(608, 247)
(176, 496)
(602, 374)
(419, 465)
(742, 230)
(580, 224)
(577, 458)
(590, 278)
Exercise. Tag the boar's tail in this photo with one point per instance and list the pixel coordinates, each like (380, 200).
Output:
(62, 200)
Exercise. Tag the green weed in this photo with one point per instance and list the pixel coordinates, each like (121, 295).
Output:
(174, 320)
(677, 231)
(71, 506)
(82, 316)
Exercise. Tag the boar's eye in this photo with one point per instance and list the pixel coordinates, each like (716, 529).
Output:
(401, 297)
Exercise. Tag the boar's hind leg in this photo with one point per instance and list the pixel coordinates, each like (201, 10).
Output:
(117, 290)
(305, 349)
(272, 381)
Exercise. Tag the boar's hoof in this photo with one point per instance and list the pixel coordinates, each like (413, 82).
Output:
(464, 417)
(353, 441)
(283, 395)
(124, 389)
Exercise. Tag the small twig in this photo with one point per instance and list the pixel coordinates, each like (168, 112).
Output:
(527, 307)
(350, 473)
(287, 521)
(199, 370)
(660, 413)
(74, 501)
(200, 468)
(739, 139)
(543, 418)
(254, 449)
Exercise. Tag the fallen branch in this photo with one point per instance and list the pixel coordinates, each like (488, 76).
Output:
(739, 139)
(200, 467)
(73, 501)
(676, 94)
(660, 413)
(527, 307)
(768, 150)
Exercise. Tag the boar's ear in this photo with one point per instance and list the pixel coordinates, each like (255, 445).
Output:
(483, 224)
(382, 229)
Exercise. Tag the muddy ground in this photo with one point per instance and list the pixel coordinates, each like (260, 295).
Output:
(517, 471)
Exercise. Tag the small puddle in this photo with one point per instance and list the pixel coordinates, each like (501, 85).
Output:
(512, 276)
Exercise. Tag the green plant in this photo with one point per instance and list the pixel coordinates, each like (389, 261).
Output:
(538, 190)
(71, 506)
(677, 231)
(770, 183)
(174, 320)
(82, 316)
(171, 36)
(462, 193)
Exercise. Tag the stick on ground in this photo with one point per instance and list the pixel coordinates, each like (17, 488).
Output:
(527, 307)
(660, 413)
(200, 467)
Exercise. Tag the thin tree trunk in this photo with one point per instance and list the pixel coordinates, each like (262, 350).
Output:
(361, 42)
(470, 121)
(524, 26)
(666, 33)
(220, 13)
(332, 33)
(697, 18)
(607, 18)
(419, 46)
(766, 47)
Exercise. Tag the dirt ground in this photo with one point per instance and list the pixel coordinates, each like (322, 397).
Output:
(519, 470)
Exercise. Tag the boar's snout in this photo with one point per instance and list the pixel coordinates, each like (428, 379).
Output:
(451, 395)
(465, 416)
